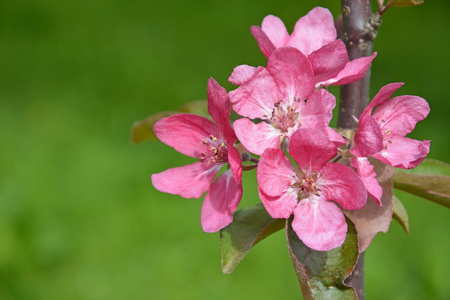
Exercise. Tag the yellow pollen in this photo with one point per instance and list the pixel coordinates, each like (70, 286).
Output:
(388, 131)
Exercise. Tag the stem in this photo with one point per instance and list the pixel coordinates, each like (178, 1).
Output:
(358, 32)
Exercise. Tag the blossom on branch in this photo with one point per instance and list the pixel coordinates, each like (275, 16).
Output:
(315, 36)
(282, 96)
(381, 134)
(212, 143)
(306, 191)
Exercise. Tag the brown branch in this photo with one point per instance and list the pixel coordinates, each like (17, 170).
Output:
(359, 27)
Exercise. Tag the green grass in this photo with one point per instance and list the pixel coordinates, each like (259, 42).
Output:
(79, 218)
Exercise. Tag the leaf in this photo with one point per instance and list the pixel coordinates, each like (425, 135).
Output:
(429, 167)
(400, 213)
(143, 130)
(430, 180)
(373, 218)
(199, 107)
(404, 2)
(321, 274)
(250, 226)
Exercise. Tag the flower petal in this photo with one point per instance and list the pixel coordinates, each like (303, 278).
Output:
(383, 95)
(255, 98)
(368, 176)
(334, 137)
(320, 224)
(264, 42)
(242, 74)
(329, 60)
(189, 181)
(403, 152)
(256, 137)
(313, 31)
(219, 108)
(274, 173)
(368, 139)
(353, 71)
(184, 132)
(275, 30)
(311, 149)
(221, 202)
(400, 115)
(279, 207)
(318, 110)
(340, 183)
(292, 73)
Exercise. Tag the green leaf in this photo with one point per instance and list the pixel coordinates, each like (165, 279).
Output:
(404, 2)
(321, 274)
(250, 226)
(400, 213)
(143, 130)
(199, 107)
(430, 180)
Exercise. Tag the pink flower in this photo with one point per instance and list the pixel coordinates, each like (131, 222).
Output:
(212, 144)
(381, 134)
(314, 35)
(306, 191)
(282, 96)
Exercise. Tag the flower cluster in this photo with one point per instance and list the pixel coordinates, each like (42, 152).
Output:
(305, 169)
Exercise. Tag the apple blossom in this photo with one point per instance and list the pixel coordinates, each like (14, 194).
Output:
(307, 191)
(282, 96)
(381, 134)
(212, 143)
(315, 35)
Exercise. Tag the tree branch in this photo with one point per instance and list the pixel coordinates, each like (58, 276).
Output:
(358, 32)
(359, 27)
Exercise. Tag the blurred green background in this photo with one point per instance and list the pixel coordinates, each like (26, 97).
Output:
(79, 218)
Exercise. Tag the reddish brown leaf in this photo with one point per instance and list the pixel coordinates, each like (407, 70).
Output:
(372, 218)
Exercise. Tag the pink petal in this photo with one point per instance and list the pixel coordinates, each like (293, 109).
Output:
(403, 152)
(334, 137)
(311, 149)
(400, 114)
(264, 42)
(219, 108)
(184, 132)
(235, 161)
(383, 95)
(292, 73)
(256, 98)
(256, 137)
(368, 176)
(329, 60)
(340, 183)
(275, 30)
(274, 173)
(313, 31)
(354, 70)
(319, 224)
(279, 207)
(242, 74)
(318, 110)
(368, 139)
(221, 202)
(189, 181)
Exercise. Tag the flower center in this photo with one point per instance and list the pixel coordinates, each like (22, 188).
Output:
(283, 117)
(306, 186)
(386, 140)
(215, 153)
